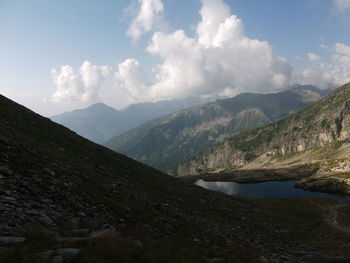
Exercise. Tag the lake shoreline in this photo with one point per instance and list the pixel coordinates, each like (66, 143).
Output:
(256, 175)
(307, 178)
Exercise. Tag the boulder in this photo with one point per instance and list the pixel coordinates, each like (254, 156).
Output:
(11, 240)
(63, 255)
(105, 234)
(5, 171)
(69, 255)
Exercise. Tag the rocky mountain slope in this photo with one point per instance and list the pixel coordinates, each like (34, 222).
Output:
(66, 199)
(317, 133)
(166, 141)
(100, 122)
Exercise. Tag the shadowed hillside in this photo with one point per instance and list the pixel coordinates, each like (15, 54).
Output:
(64, 196)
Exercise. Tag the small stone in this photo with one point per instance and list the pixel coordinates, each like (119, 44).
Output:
(49, 171)
(81, 214)
(79, 232)
(216, 260)
(44, 256)
(69, 254)
(73, 240)
(57, 259)
(32, 212)
(11, 240)
(46, 220)
(136, 243)
(5, 171)
(263, 259)
(104, 234)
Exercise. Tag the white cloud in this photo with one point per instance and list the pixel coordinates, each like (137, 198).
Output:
(324, 75)
(342, 49)
(82, 85)
(219, 59)
(131, 80)
(313, 57)
(342, 4)
(149, 15)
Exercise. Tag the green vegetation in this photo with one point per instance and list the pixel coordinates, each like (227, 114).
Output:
(250, 157)
(326, 124)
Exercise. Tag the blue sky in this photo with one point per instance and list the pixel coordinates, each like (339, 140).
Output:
(39, 36)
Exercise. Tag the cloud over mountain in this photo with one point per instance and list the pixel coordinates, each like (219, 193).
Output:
(323, 75)
(78, 85)
(218, 59)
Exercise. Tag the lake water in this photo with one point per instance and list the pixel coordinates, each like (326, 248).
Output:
(272, 189)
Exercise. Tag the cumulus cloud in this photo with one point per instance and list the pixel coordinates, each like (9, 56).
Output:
(328, 74)
(78, 85)
(131, 80)
(218, 60)
(342, 49)
(313, 56)
(149, 15)
(342, 4)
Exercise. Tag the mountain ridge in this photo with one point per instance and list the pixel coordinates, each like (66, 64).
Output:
(168, 140)
(100, 122)
(318, 125)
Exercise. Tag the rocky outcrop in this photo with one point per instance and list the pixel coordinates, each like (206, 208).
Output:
(335, 183)
(318, 125)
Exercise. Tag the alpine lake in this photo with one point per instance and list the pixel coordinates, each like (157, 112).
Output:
(270, 189)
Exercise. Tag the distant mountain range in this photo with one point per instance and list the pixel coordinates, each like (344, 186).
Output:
(100, 122)
(166, 141)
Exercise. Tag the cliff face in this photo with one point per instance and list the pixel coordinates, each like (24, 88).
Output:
(165, 142)
(318, 125)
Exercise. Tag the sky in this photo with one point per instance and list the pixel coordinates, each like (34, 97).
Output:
(57, 56)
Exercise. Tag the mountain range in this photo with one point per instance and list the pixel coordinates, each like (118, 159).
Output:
(318, 135)
(100, 122)
(166, 141)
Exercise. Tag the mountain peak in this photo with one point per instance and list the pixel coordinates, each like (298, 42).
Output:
(99, 106)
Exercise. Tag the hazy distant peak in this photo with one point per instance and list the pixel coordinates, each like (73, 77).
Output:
(101, 107)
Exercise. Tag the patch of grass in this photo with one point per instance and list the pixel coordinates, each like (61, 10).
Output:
(250, 157)
(282, 157)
